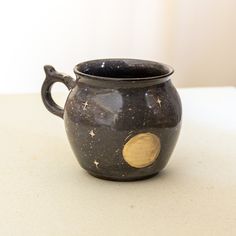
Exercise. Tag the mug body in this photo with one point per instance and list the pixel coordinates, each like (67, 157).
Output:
(123, 118)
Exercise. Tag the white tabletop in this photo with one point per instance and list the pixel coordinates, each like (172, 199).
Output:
(43, 190)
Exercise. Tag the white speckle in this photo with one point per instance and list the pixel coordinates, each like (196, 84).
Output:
(159, 102)
(85, 105)
(92, 133)
(130, 109)
(96, 163)
(144, 123)
(117, 150)
(123, 175)
(132, 117)
(103, 64)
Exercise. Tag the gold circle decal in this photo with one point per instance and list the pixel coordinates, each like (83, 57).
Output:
(142, 150)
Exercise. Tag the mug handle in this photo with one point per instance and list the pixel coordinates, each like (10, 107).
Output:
(52, 76)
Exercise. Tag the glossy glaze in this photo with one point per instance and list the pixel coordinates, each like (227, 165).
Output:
(101, 115)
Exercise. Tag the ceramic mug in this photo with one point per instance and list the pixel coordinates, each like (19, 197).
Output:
(122, 116)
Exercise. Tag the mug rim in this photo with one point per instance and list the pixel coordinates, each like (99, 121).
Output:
(164, 77)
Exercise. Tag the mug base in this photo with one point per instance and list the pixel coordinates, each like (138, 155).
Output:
(122, 179)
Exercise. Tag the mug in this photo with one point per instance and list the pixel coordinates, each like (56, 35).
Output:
(122, 116)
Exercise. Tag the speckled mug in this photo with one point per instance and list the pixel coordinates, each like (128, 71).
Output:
(122, 116)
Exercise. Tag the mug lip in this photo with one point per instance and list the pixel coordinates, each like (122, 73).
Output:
(163, 77)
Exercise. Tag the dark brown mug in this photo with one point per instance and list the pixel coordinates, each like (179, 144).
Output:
(122, 116)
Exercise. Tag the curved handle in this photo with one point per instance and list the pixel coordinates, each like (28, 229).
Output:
(52, 76)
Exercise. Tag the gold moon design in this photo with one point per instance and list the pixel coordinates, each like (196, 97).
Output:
(142, 150)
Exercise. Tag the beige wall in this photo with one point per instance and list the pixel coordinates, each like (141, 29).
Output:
(204, 42)
(196, 37)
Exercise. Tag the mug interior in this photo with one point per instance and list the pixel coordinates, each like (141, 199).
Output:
(123, 69)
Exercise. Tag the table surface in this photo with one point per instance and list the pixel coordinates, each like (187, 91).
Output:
(43, 190)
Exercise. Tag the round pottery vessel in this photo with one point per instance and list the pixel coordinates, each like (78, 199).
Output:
(122, 116)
